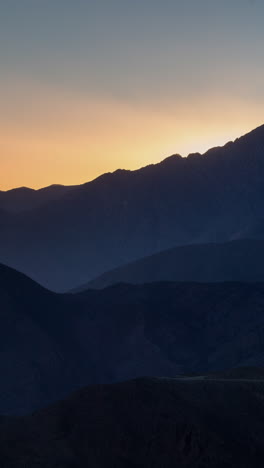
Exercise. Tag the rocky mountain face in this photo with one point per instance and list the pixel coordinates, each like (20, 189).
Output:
(121, 217)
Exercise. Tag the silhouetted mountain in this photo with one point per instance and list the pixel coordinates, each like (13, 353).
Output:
(241, 260)
(194, 423)
(124, 216)
(52, 344)
(39, 358)
(23, 198)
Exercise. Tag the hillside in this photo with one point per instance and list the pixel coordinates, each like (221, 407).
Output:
(40, 359)
(148, 422)
(125, 216)
(241, 260)
(52, 344)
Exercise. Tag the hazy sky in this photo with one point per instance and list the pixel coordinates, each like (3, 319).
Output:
(90, 86)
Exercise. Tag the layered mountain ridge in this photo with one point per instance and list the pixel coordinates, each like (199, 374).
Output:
(127, 215)
(240, 260)
(52, 344)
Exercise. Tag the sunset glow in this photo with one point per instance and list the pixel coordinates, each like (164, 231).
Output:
(76, 106)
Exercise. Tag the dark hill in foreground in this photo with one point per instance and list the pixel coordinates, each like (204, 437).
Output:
(40, 359)
(241, 260)
(191, 423)
(80, 233)
(52, 344)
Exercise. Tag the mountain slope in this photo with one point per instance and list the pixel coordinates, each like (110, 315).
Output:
(124, 216)
(189, 423)
(241, 260)
(40, 358)
(24, 199)
(52, 344)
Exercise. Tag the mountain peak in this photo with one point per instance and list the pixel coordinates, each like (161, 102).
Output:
(65, 236)
(19, 190)
(253, 134)
(174, 158)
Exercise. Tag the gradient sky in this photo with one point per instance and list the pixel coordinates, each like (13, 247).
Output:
(87, 87)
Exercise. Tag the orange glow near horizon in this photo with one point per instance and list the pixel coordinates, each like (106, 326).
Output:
(89, 87)
(65, 139)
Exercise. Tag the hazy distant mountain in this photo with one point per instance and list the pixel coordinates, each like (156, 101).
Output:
(241, 260)
(195, 423)
(124, 216)
(52, 344)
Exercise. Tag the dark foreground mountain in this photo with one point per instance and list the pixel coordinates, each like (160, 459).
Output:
(52, 344)
(241, 260)
(124, 216)
(40, 359)
(216, 422)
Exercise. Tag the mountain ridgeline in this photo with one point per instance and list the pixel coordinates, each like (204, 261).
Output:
(167, 331)
(65, 237)
(241, 260)
(52, 344)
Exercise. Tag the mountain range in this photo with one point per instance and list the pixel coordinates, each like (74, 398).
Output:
(161, 331)
(64, 237)
(24, 199)
(54, 343)
(241, 260)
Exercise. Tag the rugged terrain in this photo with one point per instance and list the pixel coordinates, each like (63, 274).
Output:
(64, 238)
(191, 422)
(52, 344)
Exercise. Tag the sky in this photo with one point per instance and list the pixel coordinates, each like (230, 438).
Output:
(87, 87)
